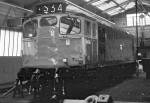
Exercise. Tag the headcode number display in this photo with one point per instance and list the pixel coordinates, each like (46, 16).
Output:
(49, 8)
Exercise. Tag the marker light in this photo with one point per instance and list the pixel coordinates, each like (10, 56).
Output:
(64, 60)
(30, 35)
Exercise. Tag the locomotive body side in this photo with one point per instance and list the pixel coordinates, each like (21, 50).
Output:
(91, 44)
(118, 47)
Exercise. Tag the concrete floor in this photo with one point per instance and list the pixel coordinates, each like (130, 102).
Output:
(134, 90)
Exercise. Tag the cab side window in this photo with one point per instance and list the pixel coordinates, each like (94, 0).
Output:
(94, 29)
(87, 28)
(30, 29)
(70, 25)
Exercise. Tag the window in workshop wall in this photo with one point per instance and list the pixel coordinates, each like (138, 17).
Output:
(142, 19)
(10, 42)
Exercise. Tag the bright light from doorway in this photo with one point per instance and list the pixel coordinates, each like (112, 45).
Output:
(10, 43)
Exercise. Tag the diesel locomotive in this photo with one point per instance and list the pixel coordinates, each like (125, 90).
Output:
(61, 46)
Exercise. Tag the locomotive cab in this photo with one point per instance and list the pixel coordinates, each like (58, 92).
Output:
(52, 41)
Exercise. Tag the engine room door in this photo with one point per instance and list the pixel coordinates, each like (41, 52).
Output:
(88, 42)
(94, 44)
(101, 44)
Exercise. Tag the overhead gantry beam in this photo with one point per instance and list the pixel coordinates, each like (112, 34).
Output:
(109, 9)
(118, 5)
(92, 1)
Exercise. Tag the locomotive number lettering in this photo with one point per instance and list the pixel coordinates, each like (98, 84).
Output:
(45, 9)
(60, 7)
(48, 8)
(53, 9)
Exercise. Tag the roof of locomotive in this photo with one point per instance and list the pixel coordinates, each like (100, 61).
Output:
(114, 26)
(82, 15)
(72, 13)
(45, 15)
